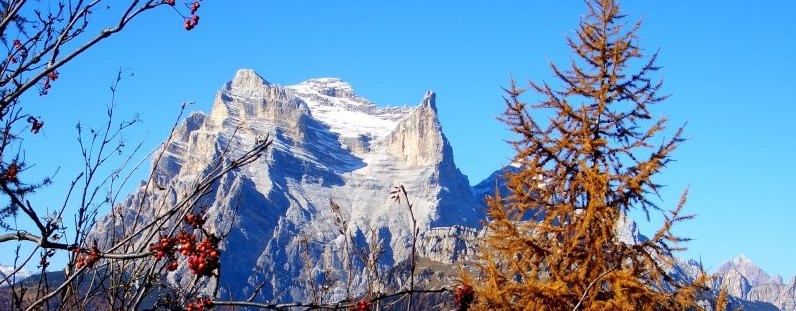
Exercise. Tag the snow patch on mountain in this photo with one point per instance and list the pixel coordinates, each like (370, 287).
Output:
(334, 103)
(18, 275)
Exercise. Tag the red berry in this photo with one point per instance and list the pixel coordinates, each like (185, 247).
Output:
(463, 296)
(194, 7)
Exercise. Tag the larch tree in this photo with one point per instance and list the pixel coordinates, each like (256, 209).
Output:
(553, 241)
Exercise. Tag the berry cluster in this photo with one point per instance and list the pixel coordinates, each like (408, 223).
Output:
(195, 220)
(87, 257)
(362, 305)
(165, 249)
(17, 47)
(204, 259)
(11, 172)
(199, 304)
(192, 21)
(194, 7)
(463, 296)
(45, 88)
(186, 243)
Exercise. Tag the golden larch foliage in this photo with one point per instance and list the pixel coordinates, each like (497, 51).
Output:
(552, 242)
(722, 300)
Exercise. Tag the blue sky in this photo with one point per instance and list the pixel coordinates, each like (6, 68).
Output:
(729, 66)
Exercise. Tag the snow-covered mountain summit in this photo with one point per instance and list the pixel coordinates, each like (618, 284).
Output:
(333, 102)
(329, 144)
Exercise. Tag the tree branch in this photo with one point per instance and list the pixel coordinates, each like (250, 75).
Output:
(334, 306)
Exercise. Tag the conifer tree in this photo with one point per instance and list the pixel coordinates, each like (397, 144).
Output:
(722, 301)
(552, 242)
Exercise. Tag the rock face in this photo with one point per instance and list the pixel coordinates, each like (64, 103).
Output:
(329, 144)
(449, 244)
(743, 279)
(743, 270)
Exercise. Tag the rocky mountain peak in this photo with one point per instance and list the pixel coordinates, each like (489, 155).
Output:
(430, 100)
(741, 260)
(744, 267)
(247, 79)
(329, 144)
(742, 278)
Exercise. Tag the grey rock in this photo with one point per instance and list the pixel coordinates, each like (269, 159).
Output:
(328, 144)
(743, 279)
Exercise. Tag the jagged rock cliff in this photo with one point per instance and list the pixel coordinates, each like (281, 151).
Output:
(329, 144)
(743, 279)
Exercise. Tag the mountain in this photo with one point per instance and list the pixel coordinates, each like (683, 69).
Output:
(329, 144)
(494, 181)
(280, 234)
(743, 279)
(18, 274)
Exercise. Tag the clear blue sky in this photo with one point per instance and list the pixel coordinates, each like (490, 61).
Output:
(729, 65)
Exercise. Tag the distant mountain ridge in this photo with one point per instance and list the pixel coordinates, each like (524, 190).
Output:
(743, 279)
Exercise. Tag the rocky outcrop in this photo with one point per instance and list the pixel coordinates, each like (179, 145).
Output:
(418, 140)
(743, 279)
(783, 296)
(449, 244)
(329, 144)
